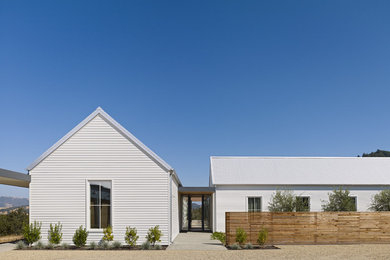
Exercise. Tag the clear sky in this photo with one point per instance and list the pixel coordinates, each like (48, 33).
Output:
(193, 79)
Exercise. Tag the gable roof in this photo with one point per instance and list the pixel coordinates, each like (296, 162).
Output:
(99, 111)
(299, 171)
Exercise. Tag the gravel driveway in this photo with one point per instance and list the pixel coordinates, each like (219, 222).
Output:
(286, 252)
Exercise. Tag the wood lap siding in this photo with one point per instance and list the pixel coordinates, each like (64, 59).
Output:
(311, 227)
(140, 187)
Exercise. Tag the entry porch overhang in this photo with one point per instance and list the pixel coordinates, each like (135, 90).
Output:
(12, 178)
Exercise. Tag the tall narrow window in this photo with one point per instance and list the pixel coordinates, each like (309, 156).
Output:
(354, 202)
(100, 204)
(254, 204)
(302, 203)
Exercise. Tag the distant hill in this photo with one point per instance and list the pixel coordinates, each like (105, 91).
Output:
(9, 202)
(378, 153)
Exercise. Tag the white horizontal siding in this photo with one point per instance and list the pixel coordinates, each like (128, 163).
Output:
(175, 209)
(140, 188)
(234, 198)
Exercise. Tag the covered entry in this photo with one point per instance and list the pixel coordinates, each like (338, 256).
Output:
(196, 208)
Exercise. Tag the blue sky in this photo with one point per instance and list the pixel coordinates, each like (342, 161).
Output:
(193, 79)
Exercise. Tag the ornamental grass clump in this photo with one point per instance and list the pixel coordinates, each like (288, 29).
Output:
(40, 245)
(241, 236)
(146, 245)
(262, 236)
(154, 235)
(103, 244)
(65, 245)
(235, 247)
(248, 246)
(32, 232)
(55, 234)
(131, 236)
(49, 246)
(116, 245)
(93, 245)
(20, 245)
(80, 237)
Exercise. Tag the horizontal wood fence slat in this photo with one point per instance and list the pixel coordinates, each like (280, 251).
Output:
(311, 227)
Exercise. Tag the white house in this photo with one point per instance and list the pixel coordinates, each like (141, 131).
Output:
(247, 183)
(100, 175)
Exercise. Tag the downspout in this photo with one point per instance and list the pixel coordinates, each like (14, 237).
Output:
(170, 208)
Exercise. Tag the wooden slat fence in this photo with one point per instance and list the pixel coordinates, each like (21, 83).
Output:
(311, 227)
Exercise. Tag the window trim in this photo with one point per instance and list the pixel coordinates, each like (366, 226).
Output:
(247, 203)
(305, 196)
(88, 204)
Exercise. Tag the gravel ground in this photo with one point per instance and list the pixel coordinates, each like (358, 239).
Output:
(286, 252)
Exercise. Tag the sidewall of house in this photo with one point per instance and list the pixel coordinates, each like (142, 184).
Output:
(140, 187)
(230, 198)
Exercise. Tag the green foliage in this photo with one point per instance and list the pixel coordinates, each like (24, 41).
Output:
(20, 245)
(65, 245)
(146, 245)
(378, 153)
(131, 236)
(107, 234)
(157, 247)
(219, 236)
(302, 204)
(154, 235)
(262, 236)
(381, 201)
(80, 237)
(116, 244)
(248, 246)
(241, 236)
(235, 247)
(49, 246)
(13, 222)
(104, 244)
(40, 245)
(55, 233)
(282, 201)
(93, 245)
(339, 200)
(32, 232)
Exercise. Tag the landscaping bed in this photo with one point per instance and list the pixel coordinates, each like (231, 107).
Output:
(246, 247)
(93, 249)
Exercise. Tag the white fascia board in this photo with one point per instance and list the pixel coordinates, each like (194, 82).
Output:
(118, 127)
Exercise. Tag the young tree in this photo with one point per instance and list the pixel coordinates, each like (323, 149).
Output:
(282, 201)
(339, 200)
(381, 201)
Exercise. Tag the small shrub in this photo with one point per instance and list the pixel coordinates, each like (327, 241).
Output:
(262, 236)
(104, 244)
(241, 236)
(381, 201)
(49, 246)
(40, 245)
(219, 236)
(20, 245)
(65, 245)
(235, 247)
(108, 236)
(32, 232)
(116, 245)
(282, 201)
(157, 247)
(146, 245)
(80, 237)
(55, 233)
(131, 236)
(248, 246)
(93, 245)
(339, 200)
(154, 235)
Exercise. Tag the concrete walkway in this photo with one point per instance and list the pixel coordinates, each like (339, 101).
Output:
(195, 241)
(7, 247)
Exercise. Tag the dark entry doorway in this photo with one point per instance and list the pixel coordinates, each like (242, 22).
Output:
(196, 213)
